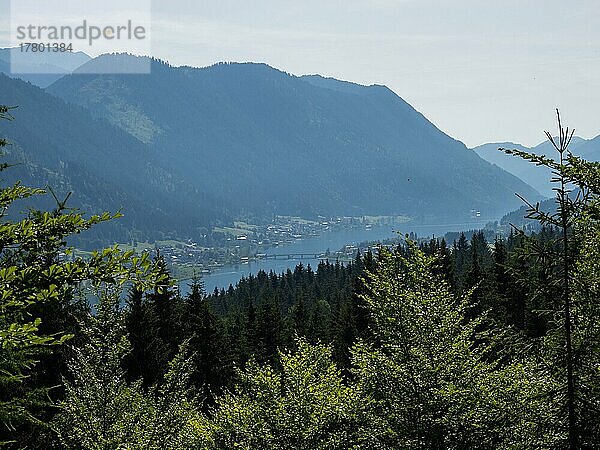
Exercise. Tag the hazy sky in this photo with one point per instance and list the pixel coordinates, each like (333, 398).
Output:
(480, 70)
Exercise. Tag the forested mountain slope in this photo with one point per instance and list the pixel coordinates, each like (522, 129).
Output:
(267, 142)
(61, 145)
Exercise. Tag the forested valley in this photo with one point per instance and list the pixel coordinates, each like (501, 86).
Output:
(428, 344)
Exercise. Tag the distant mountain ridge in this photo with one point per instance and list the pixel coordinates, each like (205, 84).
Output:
(537, 177)
(268, 142)
(43, 68)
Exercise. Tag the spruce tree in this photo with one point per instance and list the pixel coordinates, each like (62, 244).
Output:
(568, 340)
(204, 331)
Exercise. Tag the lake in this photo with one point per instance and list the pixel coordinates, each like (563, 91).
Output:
(331, 240)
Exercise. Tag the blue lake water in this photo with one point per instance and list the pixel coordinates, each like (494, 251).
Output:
(332, 240)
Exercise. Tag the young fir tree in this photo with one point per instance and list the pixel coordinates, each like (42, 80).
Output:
(157, 343)
(205, 333)
(569, 347)
(146, 357)
(460, 251)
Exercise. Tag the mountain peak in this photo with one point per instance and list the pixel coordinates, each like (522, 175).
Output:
(55, 63)
(109, 63)
(40, 69)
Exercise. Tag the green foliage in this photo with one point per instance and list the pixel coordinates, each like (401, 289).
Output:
(266, 311)
(101, 410)
(473, 346)
(207, 337)
(38, 273)
(567, 269)
(306, 405)
(432, 380)
(586, 292)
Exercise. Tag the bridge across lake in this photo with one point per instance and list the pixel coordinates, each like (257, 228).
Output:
(299, 255)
